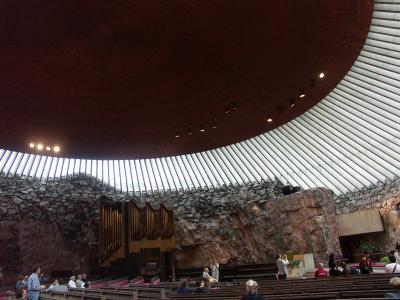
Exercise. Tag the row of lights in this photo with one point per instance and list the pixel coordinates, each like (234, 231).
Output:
(41, 147)
(301, 95)
(232, 106)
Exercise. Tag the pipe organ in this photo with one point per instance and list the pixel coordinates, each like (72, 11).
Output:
(143, 235)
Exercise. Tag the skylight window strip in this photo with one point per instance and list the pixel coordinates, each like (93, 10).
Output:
(212, 181)
(4, 161)
(162, 173)
(21, 165)
(9, 164)
(180, 174)
(211, 169)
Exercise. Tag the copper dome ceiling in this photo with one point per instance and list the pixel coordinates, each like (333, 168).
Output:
(117, 79)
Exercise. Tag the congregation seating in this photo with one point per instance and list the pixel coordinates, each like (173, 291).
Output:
(234, 272)
(345, 287)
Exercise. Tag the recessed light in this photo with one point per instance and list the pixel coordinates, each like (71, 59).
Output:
(302, 95)
(177, 134)
(190, 130)
(227, 110)
(321, 75)
(48, 148)
(269, 120)
(214, 124)
(56, 149)
(31, 145)
(39, 146)
(235, 105)
(202, 129)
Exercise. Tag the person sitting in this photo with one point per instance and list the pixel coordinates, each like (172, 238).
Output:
(183, 287)
(80, 283)
(20, 288)
(363, 266)
(85, 280)
(333, 271)
(321, 272)
(207, 276)
(53, 285)
(395, 283)
(201, 287)
(251, 288)
(392, 267)
(71, 283)
(343, 268)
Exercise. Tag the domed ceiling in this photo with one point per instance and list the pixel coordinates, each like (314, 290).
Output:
(142, 79)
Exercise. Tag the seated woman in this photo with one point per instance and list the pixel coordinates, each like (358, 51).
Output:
(207, 276)
(183, 287)
(252, 294)
(52, 286)
(201, 287)
(321, 272)
(71, 283)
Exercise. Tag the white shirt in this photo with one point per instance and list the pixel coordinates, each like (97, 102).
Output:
(397, 256)
(80, 283)
(71, 284)
(392, 266)
(282, 265)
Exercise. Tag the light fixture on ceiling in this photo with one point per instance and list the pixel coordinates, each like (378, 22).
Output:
(202, 128)
(302, 95)
(214, 124)
(56, 149)
(190, 131)
(31, 145)
(292, 102)
(235, 105)
(321, 75)
(177, 134)
(39, 146)
(269, 120)
(48, 148)
(227, 109)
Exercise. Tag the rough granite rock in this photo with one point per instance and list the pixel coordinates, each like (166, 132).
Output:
(55, 224)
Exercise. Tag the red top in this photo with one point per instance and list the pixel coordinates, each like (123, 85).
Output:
(321, 273)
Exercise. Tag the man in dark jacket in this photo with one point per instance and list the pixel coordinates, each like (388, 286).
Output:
(251, 287)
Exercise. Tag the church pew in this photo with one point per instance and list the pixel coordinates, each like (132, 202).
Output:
(123, 293)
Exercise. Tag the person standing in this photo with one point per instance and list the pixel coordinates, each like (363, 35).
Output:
(34, 284)
(392, 267)
(215, 270)
(397, 253)
(281, 264)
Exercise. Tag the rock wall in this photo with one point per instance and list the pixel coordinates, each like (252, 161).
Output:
(56, 224)
(386, 197)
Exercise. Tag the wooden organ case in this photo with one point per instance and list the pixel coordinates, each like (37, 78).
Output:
(135, 240)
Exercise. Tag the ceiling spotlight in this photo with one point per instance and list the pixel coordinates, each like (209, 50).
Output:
(302, 95)
(269, 120)
(214, 124)
(321, 75)
(202, 129)
(292, 103)
(227, 110)
(48, 148)
(235, 105)
(177, 134)
(56, 149)
(190, 130)
(31, 145)
(39, 146)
